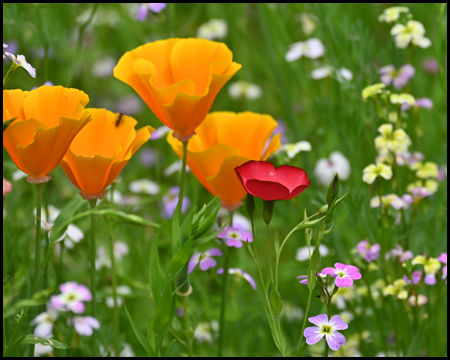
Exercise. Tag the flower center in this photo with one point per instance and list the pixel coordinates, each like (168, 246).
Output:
(341, 273)
(326, 329)
(234, 235)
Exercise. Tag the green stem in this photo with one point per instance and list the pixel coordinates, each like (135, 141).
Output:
(187, 328)
(304, 320)
(114, 289)
(38, 235)
(183, 172)
(92, 204)
(10, 72)
(226, 266)
(328, 314)
(268, 252)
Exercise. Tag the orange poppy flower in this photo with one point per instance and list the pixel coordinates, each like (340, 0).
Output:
(101, 150)
(178, 79)
(223, 141)
(47, 120)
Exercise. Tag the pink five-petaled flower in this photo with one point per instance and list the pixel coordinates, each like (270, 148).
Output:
(71, 297)
(234, 237)
(85, 325)
(204, 259)
(345, 274)
(327, 328)
(400, 78)
(261, 179)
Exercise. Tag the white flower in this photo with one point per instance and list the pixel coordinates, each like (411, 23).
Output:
(312, 48)
(44, 322)
(303, 252)
(18, 174)
(245, 89)
(72, 236)
(396, 141)
(21, 61)
(413, 32)
(173, 168)
(40, 350)
(206, 331)
(144, 186)
(213, 29)
(48, 221)
(326, 169)
(293, 149)
(392, 14)
(371, 172)
(85, 325)
(308, 22)
(344, 75)
(121, 290)
(104, 67)
(322, 72)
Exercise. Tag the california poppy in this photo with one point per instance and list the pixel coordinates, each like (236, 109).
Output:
(47, 120)
(178, 79)
(101, 150)
(223, 141)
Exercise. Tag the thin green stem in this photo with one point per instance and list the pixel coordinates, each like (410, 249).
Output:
(226, 266)
(268, 251)
(187, 329)
(10, 72)
(114, 289)
(183, 172)
(92, 204)
(304, 320)
(4, 335)
(38, 235)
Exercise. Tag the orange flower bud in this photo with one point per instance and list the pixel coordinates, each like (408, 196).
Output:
(101, 150)
(178, 79)
(47, 120)
(223, 141)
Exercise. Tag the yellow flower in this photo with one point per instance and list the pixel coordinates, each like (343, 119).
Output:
(178, 79)
(431, 265)
(372, 90)
(392, 14)
(403, 99)
(396, 141)
(371, 172)
(413, 32)
(101, 150)
(426, 170)
(47, 120)
(396, 289)
(223, 141)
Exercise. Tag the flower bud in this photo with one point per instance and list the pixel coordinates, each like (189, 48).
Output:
(250, 205)
(333, 190)
(268, 211)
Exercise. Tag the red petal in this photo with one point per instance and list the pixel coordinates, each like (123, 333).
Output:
(298, 190)
(267, 190)
(292, 177)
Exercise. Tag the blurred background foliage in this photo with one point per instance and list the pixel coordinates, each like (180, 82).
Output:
(330, 114)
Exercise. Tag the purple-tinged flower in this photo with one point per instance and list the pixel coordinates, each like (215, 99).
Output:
(430, 65)
(327, 328)
(47, 83)
(280, 129)
(431, 267)
(7, 187)
(85, 325)
(21, 61)
(44, 322)
(369, 253)
(398, 78)
(234, 237)
(409, 158)
(154, 7)
(398, 251)
(170, 201)
(160, 132)
(304, 278)
(415, 277)
(442, 173)
(420, 192)
(147, 157)
(419, 300)
(420, 103)
(344, 274)
(204, 259)
(443, 259)
(240, 274)
(71, 297)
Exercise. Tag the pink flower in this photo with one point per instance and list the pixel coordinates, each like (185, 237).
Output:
(443, 259)
(204, 259)
(240, 274)
(415, 276)
(314, 334)
(154, 7)
(398, 78)
(234, 237)
(6, 187)
(85, 325)
(369, 253)
(420, 103)
(344, 274)
(420, 299)
(71, 297)
(402, 255)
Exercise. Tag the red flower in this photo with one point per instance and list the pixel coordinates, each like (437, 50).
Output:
(261, 179)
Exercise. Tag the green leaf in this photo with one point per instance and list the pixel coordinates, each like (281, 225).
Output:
(120, 216)
(206, 223)
(333, 190)
(314, 263)
(311, 279)
(205, 239)
(181, 258)
(155, 274)
(186, 228)
(308, 224)
(276, 244)
(176, 226)
(7, 123)
(275, 302)
(142, 339)
(64, 218)
(301, 350)
(32, 339)
(150, 332)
